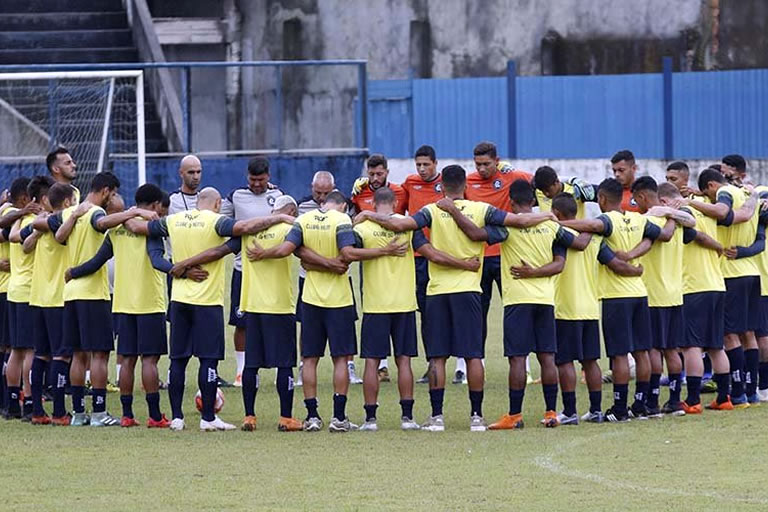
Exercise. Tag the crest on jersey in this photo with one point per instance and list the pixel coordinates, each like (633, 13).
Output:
(626, 220)
(632, 201)
(438, 187)
(497, 184)
(239, 313)
(271, 200)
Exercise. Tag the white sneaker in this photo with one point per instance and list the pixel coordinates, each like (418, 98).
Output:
(238, 380)
(177, 424)
(353, 378)
(344, 425)
(408, 424)
(434, 424)
(369, 426)
(313, 425)
(216, 424)
(763, 394)
(477, 424)
(593, 417)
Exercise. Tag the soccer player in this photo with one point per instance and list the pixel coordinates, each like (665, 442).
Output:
(138, 307)
(87, 318)
(548, 186)
(254, 200)
(196, 311)
(577, 316)
(490, 184)
(703, 300)
(624, 169)
(734, 209)
(62, 168)
(5, 275)
(734, 168)
(453, 307)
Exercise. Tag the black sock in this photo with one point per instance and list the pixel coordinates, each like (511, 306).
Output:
(694, 390)
(78, 399)
(595, 401)
(207, 383)
(436, 400)
(250, 388)
(370, 411)
(723, 386)
(675, 383)
(127, 402)
(654, 388)
(516, 401)
(707, 365)
(176, 386)
(641, 391)
(762, 372)
(736, 358)
(550, 396)
(14, 394)
(406, 408)
(569, 403)
(620, 392)
(311, 405)
(58, 381)
(285, 391)
(751, 365)
(99, 400)
(153, 404)
(36, 380)
(27, 406)
(476, 403)
(339, 406)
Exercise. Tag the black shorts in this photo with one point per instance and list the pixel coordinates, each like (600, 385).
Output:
(704, 320)
(529, 328)
(141, 335)
(20, 325)
(667, 327)
(577, 340)
(742, 304)
(48, 332)
(626, 325)
(236, 317)
(762, 330)
(454, 325)
(377, 330)
(88, 326)
(270, 340)
(299, 303)
(334, 326)
(422, 280)
(5, 335)
(196, 331)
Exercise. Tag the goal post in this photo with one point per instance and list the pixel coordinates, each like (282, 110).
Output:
(94, 114)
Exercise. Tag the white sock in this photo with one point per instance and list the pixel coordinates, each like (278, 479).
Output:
(351, 365)
(461, 365)
(240, 359)
(383, 364)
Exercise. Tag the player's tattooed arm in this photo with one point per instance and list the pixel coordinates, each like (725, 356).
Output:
(251, 226)
(62, 234)
(439, 257)
(310, 260)
(683, 218)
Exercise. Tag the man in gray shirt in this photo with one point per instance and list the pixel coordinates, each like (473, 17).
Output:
(254, 200)
(191, 173)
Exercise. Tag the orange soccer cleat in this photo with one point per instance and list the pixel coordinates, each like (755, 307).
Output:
(508, 422)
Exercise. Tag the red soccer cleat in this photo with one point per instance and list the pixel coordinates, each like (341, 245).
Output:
(162, 423)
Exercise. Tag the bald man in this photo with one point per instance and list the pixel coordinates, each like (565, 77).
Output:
(191, 173)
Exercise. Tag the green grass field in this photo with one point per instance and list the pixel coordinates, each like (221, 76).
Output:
(688, 463)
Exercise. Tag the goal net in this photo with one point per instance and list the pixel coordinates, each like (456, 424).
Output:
(96, 115)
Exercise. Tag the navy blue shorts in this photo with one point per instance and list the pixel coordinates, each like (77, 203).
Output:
(48, 332)
(577, 340)
(704, 320)
(667, 327)
(141, 335)
(270, 340)
(454, 325)
(236, 317)
(196, 331)
(334, 326)
(5, 335)
(20, 325)
(626, 325)
(88, 326)
(762, 330)
(529, 328)
(377, 330)
(742, 304)
(299, 302)
(422, 280)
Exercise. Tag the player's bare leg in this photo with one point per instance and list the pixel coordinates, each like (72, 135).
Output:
(239, 339)
(674, 361)
(751, 365)
(370, 393)
(13, 375)
(642, 383)
(734, 350)
(313, 422)
(476, 381)
(126, 380)
(516, 381)
(436, 394)
(150, 379)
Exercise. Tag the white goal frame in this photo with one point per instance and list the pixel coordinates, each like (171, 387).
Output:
(137, 74)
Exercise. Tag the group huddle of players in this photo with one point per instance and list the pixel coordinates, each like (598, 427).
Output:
(668, 275)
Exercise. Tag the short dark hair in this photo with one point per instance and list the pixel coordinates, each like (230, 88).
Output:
(668, 190)
(644, 183)
(565, 204)
(384, 195)
(148, 194)
(427, 151)
(521, 192)
(625, 155)
(678, 166)
(258, 165)
(611, 189)
(736, 161)
(39, 186)
(58, 193)
(709, 175)
(336, 197)
(104, 180)
(165, 202)
(717, 167)
(53, 155)
(19, 188)
(544, 177)
(485, 149)
(454, 177)
(377, 160)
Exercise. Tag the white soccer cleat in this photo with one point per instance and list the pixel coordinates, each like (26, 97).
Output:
(313, 424)
(763, 394)
(177, 424)
(353, 378)
(434, 424)
(369, 426)
(477, 424)
(408, 424)
(216, 424)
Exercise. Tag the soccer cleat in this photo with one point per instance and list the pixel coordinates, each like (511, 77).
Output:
(459, 377)
(161, 423)
(568, 420)
(408, 424)
(614, 416)
(763, 394)
(740, 402)
(673, 409)
(607, 377)
(162, 385)
(353, 378)
(714, 405)
(215, 425)
(80, 419)
(709, 386)
(754, 400)
(692, 409)
(104, 419)
(313, 424)
(177, 424)
(434, 424)
(369, 426)
(593, 417)
(111, 388)
(383, 374)
(477, 424)
(289, 425)
(249, 424)
(508, 422)
(550, 419)
(223, 384)
(653, 412)
(238, 380)
(127, 422)
(337, 425)
(61, 421)
(424, 378)
(638, 411)
(41, 420)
